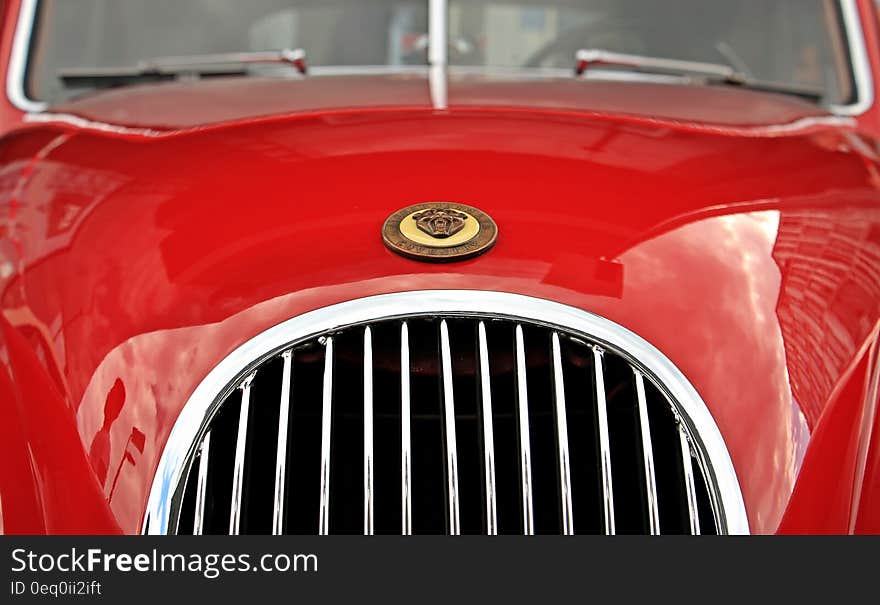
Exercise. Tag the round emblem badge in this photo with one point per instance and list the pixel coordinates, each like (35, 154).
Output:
(439, 232)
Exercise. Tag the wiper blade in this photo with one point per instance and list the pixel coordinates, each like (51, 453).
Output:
(168, 68)
(711, 72)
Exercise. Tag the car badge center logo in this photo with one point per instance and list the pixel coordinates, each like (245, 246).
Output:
(439, 232)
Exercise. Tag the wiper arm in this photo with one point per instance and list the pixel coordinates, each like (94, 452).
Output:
(712, 72)
(166, 68)
(590, 57)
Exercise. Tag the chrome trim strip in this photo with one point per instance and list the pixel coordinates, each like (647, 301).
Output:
(488, 432)
(163, 503)
(405, 438)
(604, 443)
(859, 62)
(438, 87)
(648, 453)
(240, 445)
(438, 13)
(690, 488)
(438, 49)
(18, 57)
(326, 419)
(368, 431)
(562, 438)
(525, 441)
(449, 429)
(204, 452)
(281, 448)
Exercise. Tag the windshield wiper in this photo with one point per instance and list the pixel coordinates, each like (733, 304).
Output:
(170, 68)
(710, 72)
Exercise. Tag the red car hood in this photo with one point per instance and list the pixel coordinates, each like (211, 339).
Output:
(151, 243)
(178, 106)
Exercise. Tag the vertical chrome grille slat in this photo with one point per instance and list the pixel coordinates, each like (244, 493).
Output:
(488, 432)
(562, 438)
(281, 449)
(604, 443)
(326, 419)
(690, 486)
(648, 453)
(240, 444)
(454, 528)
(405, 439)
(201, 486)
(526, 421)
(368, 431)
(525, 448)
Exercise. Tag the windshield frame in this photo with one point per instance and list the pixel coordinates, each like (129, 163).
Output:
(438, 11)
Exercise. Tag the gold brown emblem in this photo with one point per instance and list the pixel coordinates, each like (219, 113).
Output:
(439, 232)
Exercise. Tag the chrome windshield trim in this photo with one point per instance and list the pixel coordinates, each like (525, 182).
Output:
(438, 33)
(163, 503)
(858, 57)
(18, 58)
(438, 86)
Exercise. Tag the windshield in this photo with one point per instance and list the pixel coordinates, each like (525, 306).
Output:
(795, 42)
(119, 33)
(798, 42)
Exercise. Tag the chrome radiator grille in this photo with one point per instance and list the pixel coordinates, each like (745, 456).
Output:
(446, 422)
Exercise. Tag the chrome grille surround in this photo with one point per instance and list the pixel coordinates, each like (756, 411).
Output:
(699, 436)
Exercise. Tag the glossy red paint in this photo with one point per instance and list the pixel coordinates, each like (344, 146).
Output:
(868, 513)
(738, 232)
(833, 459)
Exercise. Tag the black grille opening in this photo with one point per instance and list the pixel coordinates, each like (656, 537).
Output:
(188, 504)
(429, 498)
(627, 459)
(704, 506)
(387, 454)
(508, 487)
(304, 447)
(468, 427)
(580, 396)
(667, 465)
(260, 452)
(542, 430)
(220, 463)
(592, 407)
(347, 445)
